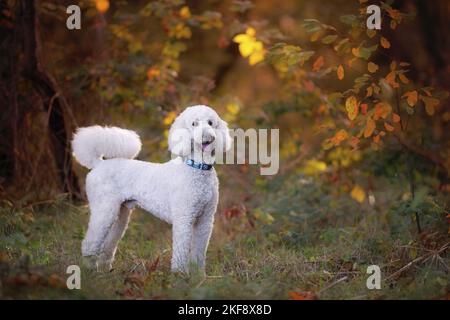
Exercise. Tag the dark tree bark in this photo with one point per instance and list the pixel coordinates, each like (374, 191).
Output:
(53, 100)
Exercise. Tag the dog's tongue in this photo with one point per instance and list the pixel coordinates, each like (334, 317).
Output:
(205, 144)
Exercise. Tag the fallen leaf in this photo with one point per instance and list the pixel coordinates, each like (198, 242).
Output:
(308, 295)
(358, 194)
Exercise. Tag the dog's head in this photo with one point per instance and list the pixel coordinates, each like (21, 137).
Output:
(199, 133)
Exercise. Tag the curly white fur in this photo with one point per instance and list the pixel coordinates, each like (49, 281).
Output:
(172, 191)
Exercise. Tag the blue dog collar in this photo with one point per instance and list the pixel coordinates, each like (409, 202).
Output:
(198, 165)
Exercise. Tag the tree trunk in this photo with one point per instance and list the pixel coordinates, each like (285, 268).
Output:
(53, 100)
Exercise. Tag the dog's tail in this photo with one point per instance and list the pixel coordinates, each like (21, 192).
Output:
(91, 145)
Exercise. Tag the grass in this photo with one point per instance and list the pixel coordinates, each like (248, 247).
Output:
(314, 258)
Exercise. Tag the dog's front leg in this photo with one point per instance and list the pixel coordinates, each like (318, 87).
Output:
(181, 241)
(200, 239)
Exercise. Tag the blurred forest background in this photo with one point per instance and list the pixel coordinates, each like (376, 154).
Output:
(364, 124)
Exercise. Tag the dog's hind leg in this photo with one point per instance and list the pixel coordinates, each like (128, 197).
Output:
(112, 239)
(103, 216)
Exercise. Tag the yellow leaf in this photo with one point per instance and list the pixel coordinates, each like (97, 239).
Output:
(318, 64)
(385, 43)
(233, 108)
(250, 31)
(370, 127)
(246, 48)
(256, 57)
(313, 167)
(430, 104)
(249, 47)
(185, 13)
(411, 97)
(352, 107)
(169, 118)
(340, 72)
(358, 194)
(372, 67)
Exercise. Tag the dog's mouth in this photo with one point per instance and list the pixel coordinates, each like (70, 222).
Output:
(205, 144)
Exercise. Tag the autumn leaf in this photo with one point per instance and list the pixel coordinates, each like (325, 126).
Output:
(185, 13)
(370, 127)
(351, 105)
(411, 97)
(385, 43)
(403, 78)
(153, 72)
(340, 72)
(169, 118)
(382, 110)
(430, 104)
(388, 127)
(395, 118)
(372, 67)
(102, 5)
(295, 295)
(390, 79)
(318, 64)
(364, 108)
(340, 136)
(358, 193)
(249, 46)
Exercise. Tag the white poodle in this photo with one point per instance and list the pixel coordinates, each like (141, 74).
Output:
(182, 191)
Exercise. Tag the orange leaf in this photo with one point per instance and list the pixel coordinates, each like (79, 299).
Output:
(340, 136)
(403, 78)
(396, 118)
(382, 110)
(411, 97)
(430, 104)
(370, 127)
(385, 43)
(318, 64)
(303, 295)
(388, 127)
(372, 67)
(340, 72)
(364, 107)
(390, 79)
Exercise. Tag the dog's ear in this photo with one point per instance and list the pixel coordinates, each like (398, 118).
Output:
(179, 138)
(224, 136)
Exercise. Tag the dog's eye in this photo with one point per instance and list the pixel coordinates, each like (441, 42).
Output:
(195, 123)
(210, 122)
